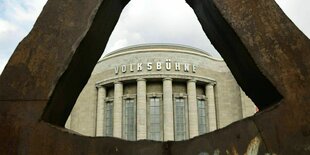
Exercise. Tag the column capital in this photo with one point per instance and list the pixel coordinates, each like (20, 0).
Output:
(141, 79)
(118, 82)
(211, 84)
(99, 86)
(167, 79)
(192, 80)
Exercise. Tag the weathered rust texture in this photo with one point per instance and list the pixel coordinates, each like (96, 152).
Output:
(235, 139)
(281, 52)
(266, 52)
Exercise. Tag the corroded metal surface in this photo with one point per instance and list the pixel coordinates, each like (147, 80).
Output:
(267, 54)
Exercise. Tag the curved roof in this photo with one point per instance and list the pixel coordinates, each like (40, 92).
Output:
(159, 47)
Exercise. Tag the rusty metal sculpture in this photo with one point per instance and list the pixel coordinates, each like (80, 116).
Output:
(267, 54)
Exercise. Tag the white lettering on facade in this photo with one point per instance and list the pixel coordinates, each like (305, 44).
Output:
(186, 67)
(149, 66)
(194, 68)
(116, 70)
(158, 66)
(124, 68)
(177, 66)
(131, 68)
(139, 67)
(168, 64)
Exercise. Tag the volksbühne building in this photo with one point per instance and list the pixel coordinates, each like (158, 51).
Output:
(158, 92)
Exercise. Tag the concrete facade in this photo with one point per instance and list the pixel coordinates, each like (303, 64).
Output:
(167, 73)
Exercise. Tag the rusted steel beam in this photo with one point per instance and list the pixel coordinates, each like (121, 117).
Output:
(49, 68)
(280, 51)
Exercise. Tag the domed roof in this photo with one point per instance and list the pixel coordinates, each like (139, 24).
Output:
(159, 47)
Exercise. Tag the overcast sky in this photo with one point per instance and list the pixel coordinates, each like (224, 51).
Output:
(142, 21)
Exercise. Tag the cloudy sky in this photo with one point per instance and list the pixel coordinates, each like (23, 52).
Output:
(142, 21)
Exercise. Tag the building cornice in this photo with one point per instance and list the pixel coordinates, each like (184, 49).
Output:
(158, 76)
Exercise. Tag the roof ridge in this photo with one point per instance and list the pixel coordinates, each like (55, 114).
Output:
(141, 46)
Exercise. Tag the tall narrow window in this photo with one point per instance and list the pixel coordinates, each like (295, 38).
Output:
(202, 122)
(180, 119)
(129, 121)
(154, 119)
(109, 119)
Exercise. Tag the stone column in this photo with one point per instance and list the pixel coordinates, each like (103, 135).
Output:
(117, 115)
(192, 108)
(100, 110)
(141, 109)
(211, 107)
(168, 110)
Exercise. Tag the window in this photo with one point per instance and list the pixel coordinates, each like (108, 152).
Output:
(109, 118)
(202, 122)
(154, 119)
(129, 119)
(180, 119)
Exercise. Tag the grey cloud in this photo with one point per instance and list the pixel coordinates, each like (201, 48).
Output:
(154, 22)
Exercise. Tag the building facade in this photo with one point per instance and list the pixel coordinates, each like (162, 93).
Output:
(158, 92)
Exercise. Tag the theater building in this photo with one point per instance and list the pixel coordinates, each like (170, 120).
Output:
(158, 92)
